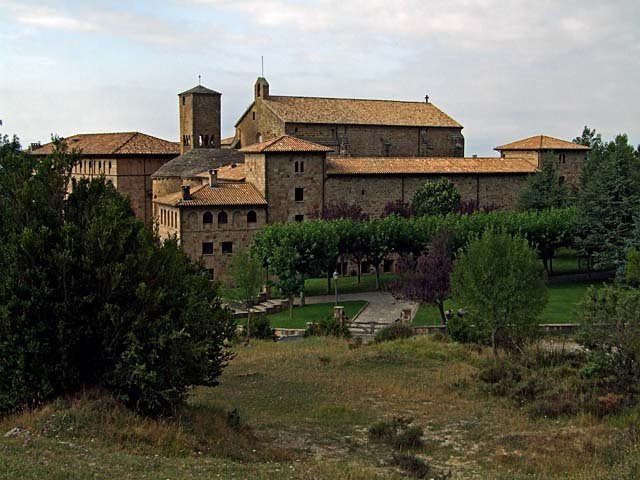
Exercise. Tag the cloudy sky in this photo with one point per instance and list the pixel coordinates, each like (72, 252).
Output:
(504, 69)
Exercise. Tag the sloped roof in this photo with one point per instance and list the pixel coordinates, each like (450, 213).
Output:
(236, 172)
(227, 141)
(351, 111)
(542, 142)
(198, 160)
(223, 194)
(426, 165)
(122, 143)
(285, 143)
(201, 90)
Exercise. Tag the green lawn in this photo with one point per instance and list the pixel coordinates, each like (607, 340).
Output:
(312, 313)
(318, 286)
(561, 308)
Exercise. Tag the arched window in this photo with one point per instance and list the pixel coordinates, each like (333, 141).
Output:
(99, 166)
(296, 167)
(109, 167)
(252, 217)
(206, 140)
(222, 218)
(301, 166)
(207, 217)
(199, 140)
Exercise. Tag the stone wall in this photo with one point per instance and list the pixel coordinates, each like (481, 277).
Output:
(380, 141)
(259, 123)
(199, 116)
(131, 175)
(373, 192)
(282, 180)
(237, 231)
(568, 163)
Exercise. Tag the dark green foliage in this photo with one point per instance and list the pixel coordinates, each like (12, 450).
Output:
(611, 331)
(499, 282)
(395, 331)
(397, 433)
(632, 267)
(435, 198)
(544, 189)
(413, 466)
(88, 297)
(261, 328)
(327, 327)
(608, 201)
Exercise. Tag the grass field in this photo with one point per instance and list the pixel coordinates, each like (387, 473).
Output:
(305, 408)
(312, 313)
(562, 306)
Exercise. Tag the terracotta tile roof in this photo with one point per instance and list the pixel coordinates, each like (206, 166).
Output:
(126, 143)
(235, 172)
(285, 143)
(541, 142)
(348, 111)
(222, 194)
(426, 165)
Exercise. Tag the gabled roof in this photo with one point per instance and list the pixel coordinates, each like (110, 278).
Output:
(223, 194)
(351, 111)
(198, 160)
(285, 143)
(124, 143)
(426, 165)
(201, 90)
(542, 142)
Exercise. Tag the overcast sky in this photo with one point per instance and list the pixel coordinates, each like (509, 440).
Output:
(503, 69)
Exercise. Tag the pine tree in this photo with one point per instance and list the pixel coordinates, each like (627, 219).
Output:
(544, 189)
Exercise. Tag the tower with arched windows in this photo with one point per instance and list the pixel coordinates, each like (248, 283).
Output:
(199, 118)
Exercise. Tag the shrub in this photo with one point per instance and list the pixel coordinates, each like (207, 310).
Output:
(395, 331)
(412, 465)
(260, 328)
(435, 198)
(397, 433)
(328, 327)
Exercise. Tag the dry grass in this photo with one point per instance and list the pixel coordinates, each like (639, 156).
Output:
(306, 407)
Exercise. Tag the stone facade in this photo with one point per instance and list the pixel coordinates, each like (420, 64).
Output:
(568, 163)
(291, 183)
(131, 175)
(234, 236)
(199, 119)
(374, 192)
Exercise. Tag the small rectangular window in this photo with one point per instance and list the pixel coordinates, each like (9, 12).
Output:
(207, 248)
(227, 247)
(299, 218)
(254, 115)
(299, 194)
(210, 272)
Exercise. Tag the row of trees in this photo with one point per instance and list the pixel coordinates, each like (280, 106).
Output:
(297, 251)
(89, 297)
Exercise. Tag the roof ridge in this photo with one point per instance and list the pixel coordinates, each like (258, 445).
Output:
(351, 98)
(134, 134)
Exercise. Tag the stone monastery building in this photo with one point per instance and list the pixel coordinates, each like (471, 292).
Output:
(292, 156)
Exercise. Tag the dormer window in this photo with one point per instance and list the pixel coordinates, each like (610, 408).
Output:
(258, 90)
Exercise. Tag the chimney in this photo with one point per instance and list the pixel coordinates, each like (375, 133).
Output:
(186, 192)
(426, 98)
(475, 156)
(213, 177)
(35, 145)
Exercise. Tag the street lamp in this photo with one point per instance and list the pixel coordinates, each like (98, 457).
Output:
(335, 282)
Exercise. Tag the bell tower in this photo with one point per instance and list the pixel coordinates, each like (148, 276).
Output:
(199, 118)
(261, 89)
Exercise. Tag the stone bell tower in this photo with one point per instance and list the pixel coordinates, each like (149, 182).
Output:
(199, 118)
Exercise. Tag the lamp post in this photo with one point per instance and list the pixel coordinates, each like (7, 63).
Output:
(335, 282)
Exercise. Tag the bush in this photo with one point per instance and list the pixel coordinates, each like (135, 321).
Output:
(412, 465)
(397, 433)
(395, 331)
(435, 198)
(328, 327)
(259, 327)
